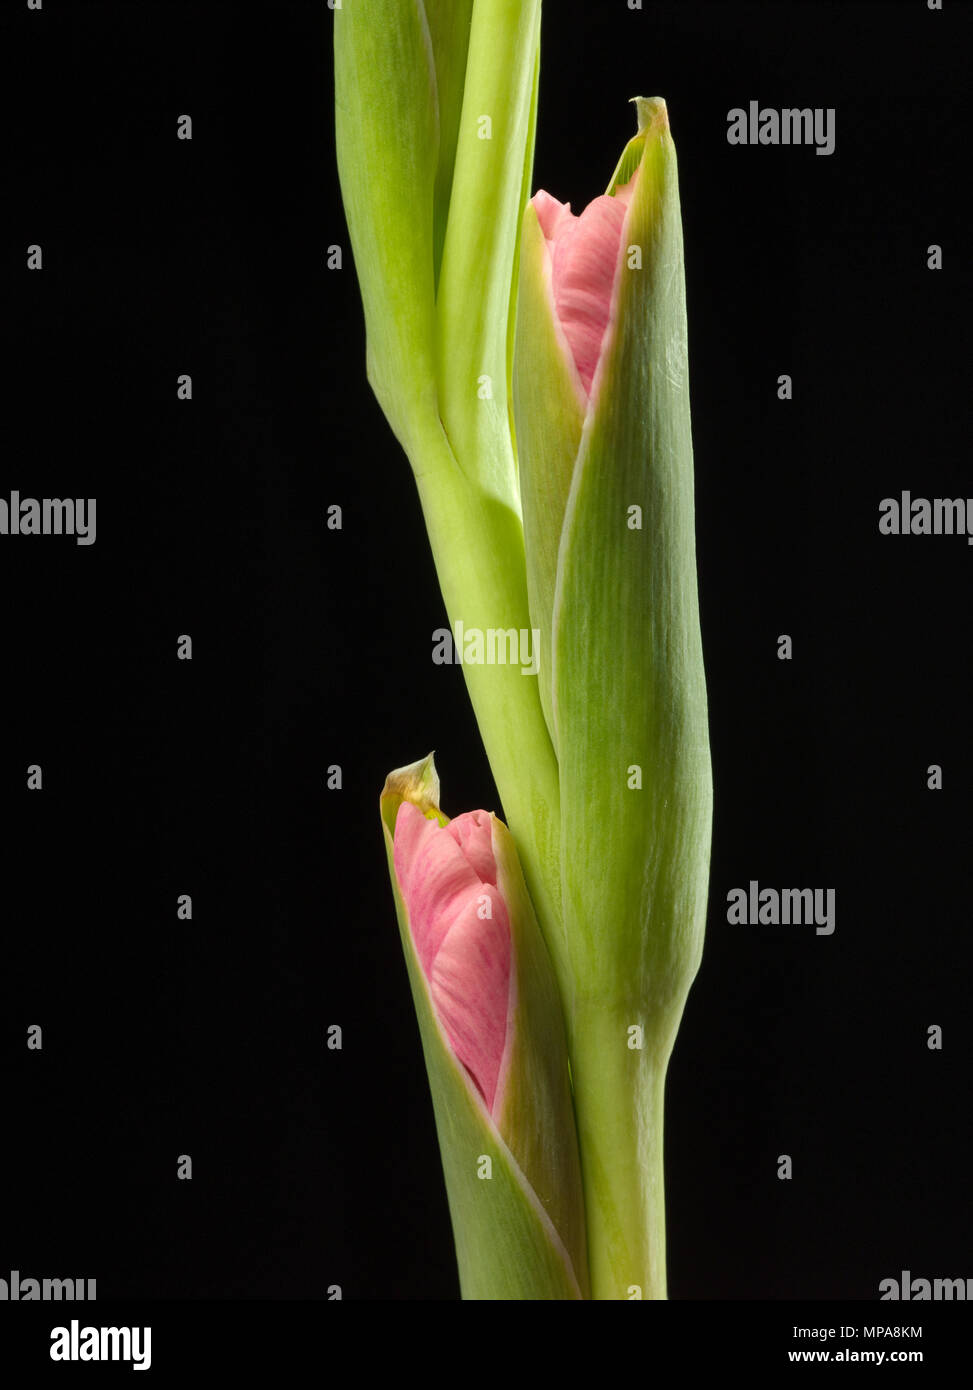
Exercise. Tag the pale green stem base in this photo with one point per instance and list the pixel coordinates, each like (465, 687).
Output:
(619, 1097)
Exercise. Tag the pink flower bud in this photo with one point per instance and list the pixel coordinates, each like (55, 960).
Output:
(461, 931)
(585, 253)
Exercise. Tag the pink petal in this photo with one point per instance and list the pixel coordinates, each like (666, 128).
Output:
(585, 255)
(470, 986)
(446, 875)
(549, 212)
(474, 835)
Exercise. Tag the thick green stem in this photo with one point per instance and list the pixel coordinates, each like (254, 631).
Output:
(618, 1096)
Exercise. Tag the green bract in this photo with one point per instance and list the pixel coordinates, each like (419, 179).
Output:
(628, 696)
(520, 1231)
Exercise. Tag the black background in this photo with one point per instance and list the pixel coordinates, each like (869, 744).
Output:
(311, 647)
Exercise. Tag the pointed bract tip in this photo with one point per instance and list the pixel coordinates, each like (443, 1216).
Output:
(652, 112)
(417, 783)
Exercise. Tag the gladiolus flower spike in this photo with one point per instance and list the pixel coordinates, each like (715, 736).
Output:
(533, 365)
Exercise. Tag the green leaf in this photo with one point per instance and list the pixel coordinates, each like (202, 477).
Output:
(387, 133)
(449, 29)
(519, 1233)
(515, 278)
(476, 283)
